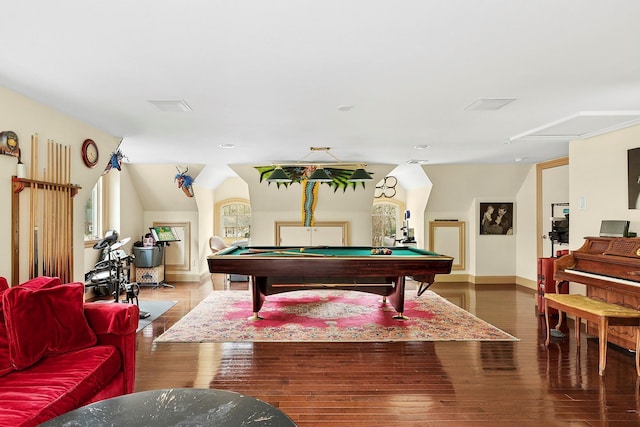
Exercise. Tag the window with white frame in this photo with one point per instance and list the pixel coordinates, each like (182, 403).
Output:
(236, 221)
(385, 218)
(93, 218)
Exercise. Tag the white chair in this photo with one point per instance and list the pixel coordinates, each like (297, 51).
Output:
(217, 244)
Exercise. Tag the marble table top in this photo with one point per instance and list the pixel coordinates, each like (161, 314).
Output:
(176, 407)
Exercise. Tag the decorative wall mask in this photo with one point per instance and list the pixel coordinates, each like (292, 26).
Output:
(115, 161)
(185, 182)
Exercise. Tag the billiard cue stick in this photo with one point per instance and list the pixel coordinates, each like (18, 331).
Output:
(45, 213)
(307, 254)
(31, 220)
(33, 173)
(302, 254)
(59, 212)
(50, 223)
(259, 251)
(69, 217)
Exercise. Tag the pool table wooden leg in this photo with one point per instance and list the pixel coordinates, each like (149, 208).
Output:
(397, 298)
(258, 295)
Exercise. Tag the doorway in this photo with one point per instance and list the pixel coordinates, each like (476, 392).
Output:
(552, 187)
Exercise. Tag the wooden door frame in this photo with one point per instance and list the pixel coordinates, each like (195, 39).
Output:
(540, 168)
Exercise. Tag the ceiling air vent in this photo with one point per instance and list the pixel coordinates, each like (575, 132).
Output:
(172, 106)
(488, 104)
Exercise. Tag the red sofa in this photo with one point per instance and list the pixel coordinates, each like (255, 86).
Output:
(58, 353)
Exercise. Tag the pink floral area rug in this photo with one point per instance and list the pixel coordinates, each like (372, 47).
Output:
(328, 315)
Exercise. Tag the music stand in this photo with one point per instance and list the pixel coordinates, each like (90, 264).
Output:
(164, 235)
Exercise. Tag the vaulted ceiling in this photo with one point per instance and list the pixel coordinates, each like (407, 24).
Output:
(376, 80)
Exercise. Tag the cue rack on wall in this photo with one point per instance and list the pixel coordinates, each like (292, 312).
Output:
(50, 204)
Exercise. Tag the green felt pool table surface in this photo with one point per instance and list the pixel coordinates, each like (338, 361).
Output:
(338, 251)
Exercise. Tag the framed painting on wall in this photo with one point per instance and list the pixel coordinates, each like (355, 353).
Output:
(496, 218)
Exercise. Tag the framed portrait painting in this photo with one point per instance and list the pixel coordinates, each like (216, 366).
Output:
(496, 218)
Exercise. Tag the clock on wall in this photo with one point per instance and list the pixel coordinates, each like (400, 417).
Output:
(90, 153)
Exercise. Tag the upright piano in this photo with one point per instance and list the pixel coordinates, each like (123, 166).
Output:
(610, 269)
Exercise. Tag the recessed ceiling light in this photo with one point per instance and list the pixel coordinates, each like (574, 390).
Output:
(345, 107)
(520, 159)
(227, 145)
(417, 162)
(486, 104)
(421, 147)
(169, 106)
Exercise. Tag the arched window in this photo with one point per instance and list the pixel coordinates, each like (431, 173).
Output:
(385, 222)
(235, 220)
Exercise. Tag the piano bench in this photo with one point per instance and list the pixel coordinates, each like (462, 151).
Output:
(602, 313)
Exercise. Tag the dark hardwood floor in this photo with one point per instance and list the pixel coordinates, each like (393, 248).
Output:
(407, 383)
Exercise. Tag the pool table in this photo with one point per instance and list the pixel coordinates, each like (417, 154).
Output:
(276, 269)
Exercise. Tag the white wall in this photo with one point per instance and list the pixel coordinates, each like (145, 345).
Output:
(416, 200)
(526, 266)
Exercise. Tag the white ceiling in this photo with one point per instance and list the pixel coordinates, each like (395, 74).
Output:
(269, 75)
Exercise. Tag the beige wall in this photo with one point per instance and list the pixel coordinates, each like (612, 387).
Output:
(456, 194)
(206, 202)
(192, 254)
(598, 175)
(26, 118)
(526, 265)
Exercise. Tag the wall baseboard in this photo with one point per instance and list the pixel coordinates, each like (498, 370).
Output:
(182, 277)
(487, 280)
(527, 283)
(453, 278)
